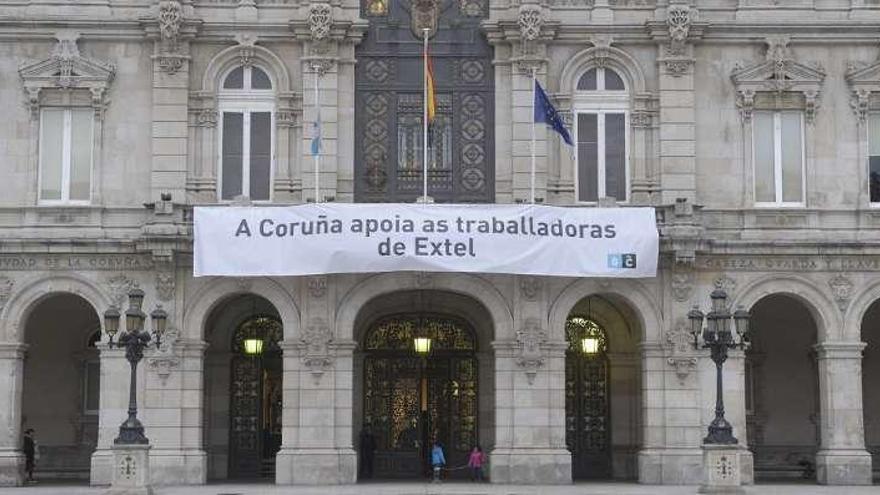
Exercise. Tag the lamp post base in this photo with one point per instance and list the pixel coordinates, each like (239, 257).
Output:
(131, 470)
(722, 470)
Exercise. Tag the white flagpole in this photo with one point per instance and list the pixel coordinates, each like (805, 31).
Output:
(534, 94)
(425, 118)
(318, 132)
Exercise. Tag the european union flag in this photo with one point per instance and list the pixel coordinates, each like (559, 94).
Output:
(545, 112)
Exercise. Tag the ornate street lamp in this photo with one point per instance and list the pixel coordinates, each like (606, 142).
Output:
(718, 338)
(134, 340)
(422, 339)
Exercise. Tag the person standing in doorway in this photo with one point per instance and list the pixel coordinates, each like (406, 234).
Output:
(368, 449)
(438, 460)
(30, 452)
(475, 462)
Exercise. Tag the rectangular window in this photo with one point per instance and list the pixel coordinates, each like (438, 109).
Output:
(246, 155)
(874, 157)
(601, 156)
(66, 155)
(779, 158)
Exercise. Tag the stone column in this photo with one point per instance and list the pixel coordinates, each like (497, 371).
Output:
(115, 372)
(173, 413)
(530, 415)
(842, 458)
(11, 456)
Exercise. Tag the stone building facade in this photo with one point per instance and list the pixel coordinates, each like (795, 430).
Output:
(751, 126)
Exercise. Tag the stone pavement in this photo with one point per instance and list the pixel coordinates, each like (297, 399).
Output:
(444, 489)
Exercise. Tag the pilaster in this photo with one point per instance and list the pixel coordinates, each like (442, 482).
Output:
(317, 433)
(11, 456)
(842, 458)
(677, 108)
(115, 372)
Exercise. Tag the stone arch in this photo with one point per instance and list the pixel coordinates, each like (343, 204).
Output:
(230, 57)
(349, 307)
(20, 305)
(824, 312)
(622, 62)
(643, 306)
(215, 291)
(855, 315)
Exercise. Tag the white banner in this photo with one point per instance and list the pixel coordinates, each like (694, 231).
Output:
(367, 237)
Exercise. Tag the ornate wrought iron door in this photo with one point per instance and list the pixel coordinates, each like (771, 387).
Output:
(255, 401)
(409, 400)
(587, 406)
(389, 143)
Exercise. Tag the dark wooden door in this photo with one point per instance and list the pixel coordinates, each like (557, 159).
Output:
(389, 85)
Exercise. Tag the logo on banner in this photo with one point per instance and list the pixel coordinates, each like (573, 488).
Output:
(622, 260)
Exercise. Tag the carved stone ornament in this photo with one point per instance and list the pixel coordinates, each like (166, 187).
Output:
(170, 19)
(601, 49)
(165, 360)
(726, 284)
(171, 63)
(679, 341)
(321, 66)
(317, 286)
(67, 69)
(6, 285)
(842, 290)
(684, 366)
(320, 20)
(529, 340)
(119, 287)
(678, 20)
(424, 15)
(778, 73)
(531, 20)
(530, 287)
(246, 51)
(315, 352)
(678, 67)
(682, 285)
(206, 117)
(864, 80)
(165, 285)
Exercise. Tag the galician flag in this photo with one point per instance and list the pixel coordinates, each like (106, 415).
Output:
(316, 138)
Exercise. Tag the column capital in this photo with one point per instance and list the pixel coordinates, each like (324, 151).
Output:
(12, 350)
(839, 350)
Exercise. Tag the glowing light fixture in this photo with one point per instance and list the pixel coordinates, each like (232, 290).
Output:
(422, 345)
(590, 345)
(253, 346)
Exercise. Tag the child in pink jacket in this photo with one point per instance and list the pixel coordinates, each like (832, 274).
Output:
(475, 462)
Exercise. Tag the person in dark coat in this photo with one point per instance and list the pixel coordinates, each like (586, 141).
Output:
(368, 450)
(30, 451)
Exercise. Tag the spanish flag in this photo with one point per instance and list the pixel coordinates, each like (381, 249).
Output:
(429, 87)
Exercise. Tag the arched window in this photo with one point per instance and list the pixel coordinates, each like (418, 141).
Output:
(247, 105)
(601, 109)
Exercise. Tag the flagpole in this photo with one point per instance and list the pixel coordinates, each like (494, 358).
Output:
(425, 116)
(534, 83)
(317, 131)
